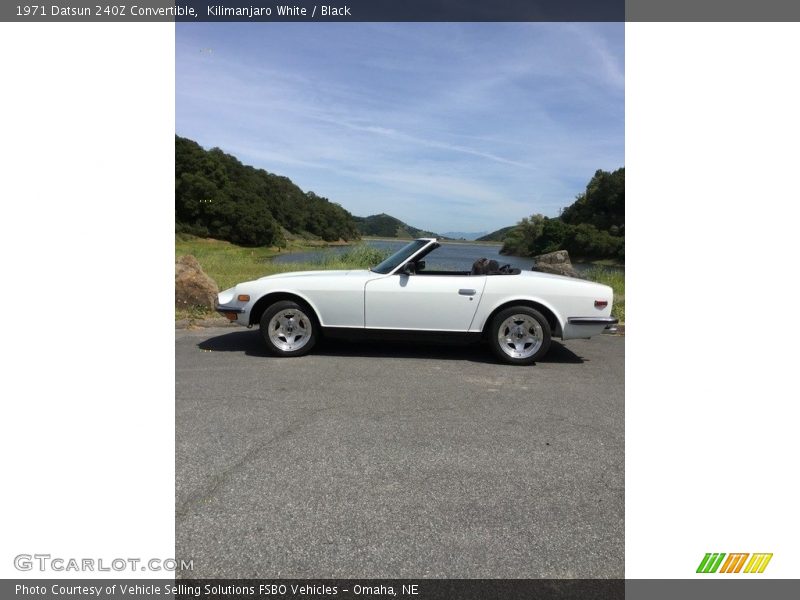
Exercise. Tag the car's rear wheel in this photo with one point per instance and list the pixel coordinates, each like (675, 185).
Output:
(519, 335)
(289, 328)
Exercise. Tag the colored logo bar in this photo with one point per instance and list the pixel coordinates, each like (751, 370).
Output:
(734, 562)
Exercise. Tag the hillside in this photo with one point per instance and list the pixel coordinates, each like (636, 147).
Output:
(496, 236)
(384, 225)
(217, 196)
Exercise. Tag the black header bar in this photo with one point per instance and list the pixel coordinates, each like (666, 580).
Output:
(195, 11)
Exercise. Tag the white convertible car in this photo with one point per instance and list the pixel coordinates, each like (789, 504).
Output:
(516, 312)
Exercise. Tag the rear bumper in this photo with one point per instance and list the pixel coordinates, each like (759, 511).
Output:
(593, 321)
(586, 327)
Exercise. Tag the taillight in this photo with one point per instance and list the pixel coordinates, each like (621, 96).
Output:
(600, 303)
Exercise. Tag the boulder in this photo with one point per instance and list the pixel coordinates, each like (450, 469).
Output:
(557, 263)
(192, 286)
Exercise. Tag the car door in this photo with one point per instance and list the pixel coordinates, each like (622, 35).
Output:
(423, 302)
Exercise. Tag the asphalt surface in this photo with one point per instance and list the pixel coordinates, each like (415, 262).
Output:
(398, 461)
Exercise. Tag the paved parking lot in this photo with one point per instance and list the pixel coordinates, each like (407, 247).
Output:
(398, 461)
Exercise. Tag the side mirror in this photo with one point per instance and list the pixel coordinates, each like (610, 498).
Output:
(407, 269)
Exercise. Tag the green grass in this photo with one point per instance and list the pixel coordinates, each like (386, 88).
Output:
(616, 279)
(229, 264)
(359, 256)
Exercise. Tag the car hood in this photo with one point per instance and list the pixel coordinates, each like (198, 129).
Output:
(338, 273)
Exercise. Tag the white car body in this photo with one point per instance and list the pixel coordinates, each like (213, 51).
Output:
(368, 301)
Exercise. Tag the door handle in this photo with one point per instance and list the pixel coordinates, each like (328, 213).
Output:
(466, 292)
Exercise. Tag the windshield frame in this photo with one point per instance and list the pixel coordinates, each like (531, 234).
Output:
(408, 252)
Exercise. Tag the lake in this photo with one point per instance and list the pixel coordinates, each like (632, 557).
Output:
(451, 256)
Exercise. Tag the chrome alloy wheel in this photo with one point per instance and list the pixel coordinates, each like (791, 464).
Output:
(289, 330)
(520, 336)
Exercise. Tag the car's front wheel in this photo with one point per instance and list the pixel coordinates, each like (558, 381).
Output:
(519, 335)
(289, 329)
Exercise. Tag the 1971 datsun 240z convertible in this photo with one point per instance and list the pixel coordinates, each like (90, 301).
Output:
(516, 312)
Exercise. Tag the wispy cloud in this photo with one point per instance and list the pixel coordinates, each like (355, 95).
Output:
(447, 126)
(404, 137)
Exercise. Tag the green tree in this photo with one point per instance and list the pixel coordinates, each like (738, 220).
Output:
(602, 204)
(218, 196)
(592, 227)
(535, 235)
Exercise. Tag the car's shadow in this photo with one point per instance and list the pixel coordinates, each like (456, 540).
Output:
(251, 344)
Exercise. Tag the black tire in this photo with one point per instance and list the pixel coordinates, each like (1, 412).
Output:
(299, 328)
(519, 325)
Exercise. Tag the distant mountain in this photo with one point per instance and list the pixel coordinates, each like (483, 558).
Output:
(464, 235)
(384, 225)
(496, 236)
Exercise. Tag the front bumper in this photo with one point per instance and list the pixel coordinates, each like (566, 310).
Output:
(228, 311)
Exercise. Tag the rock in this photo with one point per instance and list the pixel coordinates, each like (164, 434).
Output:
(557, 263)
(192, 286)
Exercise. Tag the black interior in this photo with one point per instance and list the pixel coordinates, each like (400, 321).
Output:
(504, 270)
(417, 267)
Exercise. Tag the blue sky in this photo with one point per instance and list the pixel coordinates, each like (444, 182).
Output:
(447, 126)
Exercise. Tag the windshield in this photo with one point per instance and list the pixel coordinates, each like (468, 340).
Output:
(399, 257)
